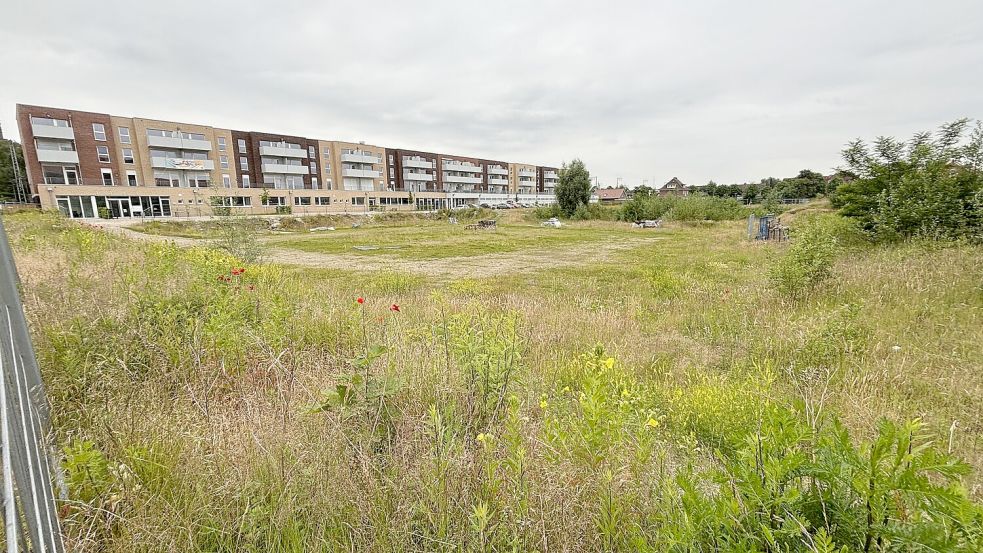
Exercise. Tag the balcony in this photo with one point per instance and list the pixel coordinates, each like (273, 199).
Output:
(181, 163)
(498, 181)
(458, 166)
(550, 175)
(462, 180)
(360, 173)
(417, 163)
(282, 151)
(58, 156)
(418, 176)
(497, 170)
(285, 169)
(527, 173)
(361, 157)
(178, 143)
(51, 131)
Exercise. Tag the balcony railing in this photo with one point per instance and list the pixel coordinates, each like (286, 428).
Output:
(461, 179)
(418, 176)
(360, 157)
(178, 143)
(497, 170)
(417, 163)
(527, 173)
(58, 156)
(52, 131)
(499, 181)
(550, 175)
(282, 151)
(285, 169)
(458, 166)
(181, 163)
(361, 173)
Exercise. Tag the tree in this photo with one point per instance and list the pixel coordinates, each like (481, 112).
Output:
(929, 185)
(7, 181)
(643, 191)
(574, 188)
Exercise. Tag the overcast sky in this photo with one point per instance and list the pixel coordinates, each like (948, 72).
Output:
(724, 90)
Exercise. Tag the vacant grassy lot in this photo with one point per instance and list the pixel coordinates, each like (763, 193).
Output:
(442, 240)
(663, 397)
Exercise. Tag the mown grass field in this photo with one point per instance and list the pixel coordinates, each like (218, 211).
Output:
(591, 407)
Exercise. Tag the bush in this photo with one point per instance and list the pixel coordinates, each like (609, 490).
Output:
(238, 239)
(923, 187)
(808, 261)
(689, 208)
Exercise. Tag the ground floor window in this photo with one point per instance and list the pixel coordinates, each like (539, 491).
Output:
(114, 206)
(322, 200)
(237, 201)
(271, 201)
(302, 200)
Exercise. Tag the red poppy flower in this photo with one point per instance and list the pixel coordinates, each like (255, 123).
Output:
(394, 307)
(360, 300)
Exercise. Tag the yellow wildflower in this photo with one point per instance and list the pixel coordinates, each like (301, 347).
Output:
(652, 423)
(609, 362)
(566, 389)
(543, 404)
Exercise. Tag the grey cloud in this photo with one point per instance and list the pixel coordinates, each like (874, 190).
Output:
(730, 91)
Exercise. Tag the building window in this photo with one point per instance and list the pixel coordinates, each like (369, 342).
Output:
(392, 172)
(99, 131)
(124, 135)
(314, 183)
(273, 201)
(242, 146)
(245, 181)
(131, 178)
(313, 168)
(243, 163)
(221, 143)
(127, 155)
(223, 161)
(311, 153)
(107, 177)
(226, 181)
(302, 200)
(322, 200)
(103, 153)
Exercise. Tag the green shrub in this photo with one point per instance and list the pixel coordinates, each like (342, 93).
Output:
(928, 186)
(808, 261)
(689, 208)
(104, 213)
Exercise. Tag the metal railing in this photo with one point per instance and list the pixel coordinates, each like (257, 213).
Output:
(30, 517)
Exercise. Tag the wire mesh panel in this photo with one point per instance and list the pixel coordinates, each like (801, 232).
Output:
(30, 517)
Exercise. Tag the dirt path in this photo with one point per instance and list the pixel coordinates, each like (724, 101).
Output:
(453, 267)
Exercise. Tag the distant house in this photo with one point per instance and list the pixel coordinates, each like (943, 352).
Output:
(611, 195)
(675, 187)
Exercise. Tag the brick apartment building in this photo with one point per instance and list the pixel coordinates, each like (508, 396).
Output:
(82, 162)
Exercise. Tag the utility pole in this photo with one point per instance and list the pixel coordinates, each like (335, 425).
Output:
(20, 193)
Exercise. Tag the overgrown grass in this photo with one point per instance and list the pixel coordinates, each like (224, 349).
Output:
(442, 240)
(204, 414)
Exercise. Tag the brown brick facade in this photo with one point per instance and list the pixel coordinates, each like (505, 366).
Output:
(255, 159)
(394, 160)
(90, 168)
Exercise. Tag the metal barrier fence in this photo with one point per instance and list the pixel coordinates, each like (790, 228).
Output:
(30, 517)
